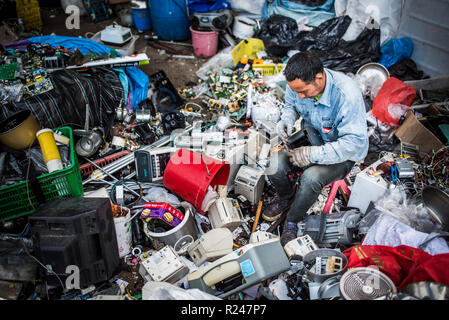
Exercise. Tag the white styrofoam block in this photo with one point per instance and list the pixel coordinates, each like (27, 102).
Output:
(368, 188)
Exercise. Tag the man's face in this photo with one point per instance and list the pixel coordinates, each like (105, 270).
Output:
(308, 90)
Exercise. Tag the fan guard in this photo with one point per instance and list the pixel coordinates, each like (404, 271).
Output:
(365, 283)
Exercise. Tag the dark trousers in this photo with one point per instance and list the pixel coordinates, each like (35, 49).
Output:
(312, 181)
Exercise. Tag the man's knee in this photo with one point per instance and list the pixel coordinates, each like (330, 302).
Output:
(312, 177)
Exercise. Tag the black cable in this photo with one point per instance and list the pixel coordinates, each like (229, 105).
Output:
(120, 182)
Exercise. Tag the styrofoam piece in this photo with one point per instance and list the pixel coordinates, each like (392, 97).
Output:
(368, 188)
(211, 246)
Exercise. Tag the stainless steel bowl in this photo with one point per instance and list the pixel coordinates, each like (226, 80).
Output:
(436, 202)
(372, 69)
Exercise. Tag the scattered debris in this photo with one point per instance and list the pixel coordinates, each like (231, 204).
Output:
(163, 192)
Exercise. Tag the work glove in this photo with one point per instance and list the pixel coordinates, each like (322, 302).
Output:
(284, 129)
(300, 157)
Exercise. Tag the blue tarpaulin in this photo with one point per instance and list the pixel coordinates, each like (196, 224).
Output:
(207, 5)
(396, 50)
(138, 80)
(315, 15)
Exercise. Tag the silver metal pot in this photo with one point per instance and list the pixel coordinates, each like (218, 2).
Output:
(324, 253)
(374, 70)
(436, 202)
(180, 236)
(88, 145)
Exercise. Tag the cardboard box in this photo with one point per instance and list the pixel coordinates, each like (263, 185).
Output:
(414, 132)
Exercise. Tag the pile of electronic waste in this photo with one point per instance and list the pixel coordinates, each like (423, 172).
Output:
(24, 71)
(174, 201)
(216, 245)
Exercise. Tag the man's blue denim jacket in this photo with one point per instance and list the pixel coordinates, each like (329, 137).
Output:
(339, 115)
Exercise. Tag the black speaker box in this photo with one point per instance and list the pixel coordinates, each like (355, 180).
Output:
(79, 232)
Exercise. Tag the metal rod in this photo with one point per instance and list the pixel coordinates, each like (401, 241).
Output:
(101, 169)
(124, 161)
(177, 43)
(180, 56)
(207, 168)
(115, 179)
(423, 106)
(129, 158)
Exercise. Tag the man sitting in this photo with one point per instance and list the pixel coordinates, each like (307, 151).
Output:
(332, 103)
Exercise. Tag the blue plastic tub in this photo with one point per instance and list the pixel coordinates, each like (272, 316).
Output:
(170, 20)
(142, 19)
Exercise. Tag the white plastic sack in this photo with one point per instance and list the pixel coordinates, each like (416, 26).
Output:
(387, 231)
(265, 107)
(253, 7)
(159, 194)
(397, 110)
(370, 86)
(387, 13)
(221, 60)
(200, 89)
(263, 113)
(395, 203)
(279, 289)
(223, 122)
(275, 81)
(78, 3)
(380, 125)
(154, 290)
(340, 7)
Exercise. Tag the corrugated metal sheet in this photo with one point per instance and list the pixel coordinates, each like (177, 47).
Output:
(426, 22)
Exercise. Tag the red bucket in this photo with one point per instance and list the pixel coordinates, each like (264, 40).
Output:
(187, 176)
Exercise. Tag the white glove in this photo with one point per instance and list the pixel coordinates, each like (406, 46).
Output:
(284, 129)
(300, 157)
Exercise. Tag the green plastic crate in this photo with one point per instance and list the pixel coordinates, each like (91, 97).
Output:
(65, 183)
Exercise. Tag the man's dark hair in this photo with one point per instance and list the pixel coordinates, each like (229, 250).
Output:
(304, 66)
